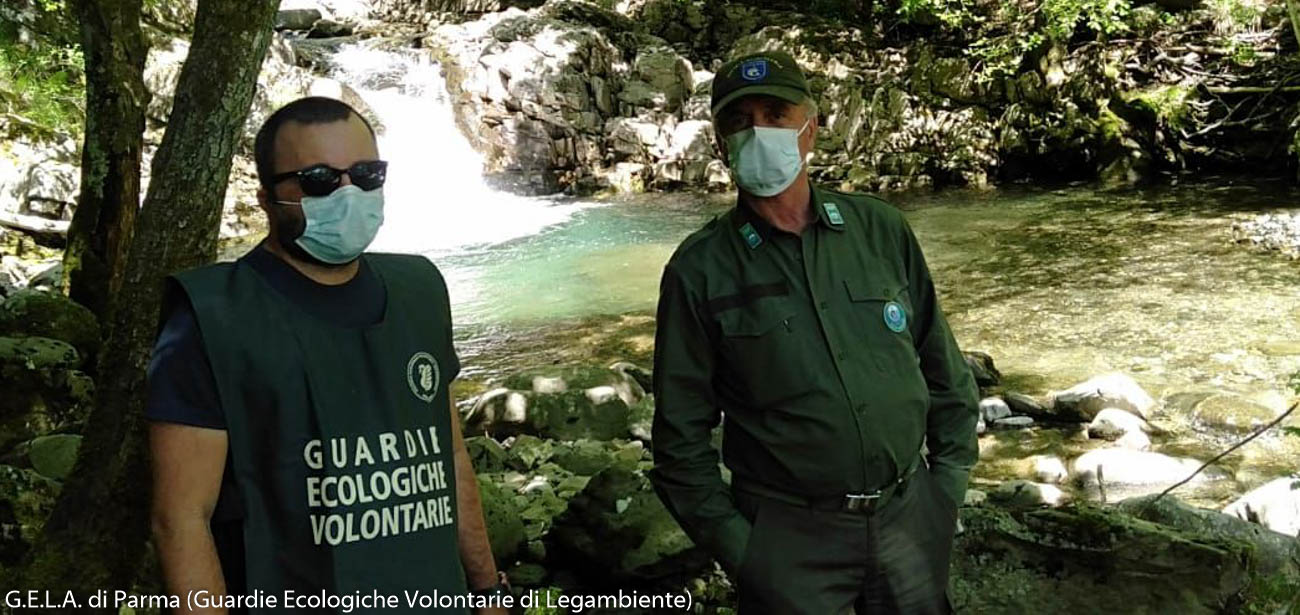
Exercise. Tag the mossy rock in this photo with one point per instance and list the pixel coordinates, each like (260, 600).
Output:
(504, 527)
(617, 530)
(527, 452)
(527, 575)
(42, 390)
(1084, 559)
(571, 416)
(54, 456)
(486, 454)
(33, 313)
(26, 499)
(574, 378)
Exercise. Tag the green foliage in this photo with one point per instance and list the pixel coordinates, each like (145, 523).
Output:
(1233, 16)
(951, 13)
(1002, 52)
(1101, 16)
(41, 79)
(541, 598)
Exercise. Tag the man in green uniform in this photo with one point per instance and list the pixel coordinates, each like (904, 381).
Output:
(805, 320)
(305, 446)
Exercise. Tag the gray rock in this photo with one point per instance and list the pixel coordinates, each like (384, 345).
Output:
(1127, 473)
(297, 19)
(1232, 414)
(1013, 422)
(1114, 423)
(1026, 494)
(994, 408)
(328, 28)
(982, 368)
(1274, 505)
(1112, 390)
(1024, 405)
(1134, 440)
(1049, 469)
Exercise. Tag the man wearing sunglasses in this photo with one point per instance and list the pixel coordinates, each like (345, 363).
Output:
(805, 321)
(305, 447)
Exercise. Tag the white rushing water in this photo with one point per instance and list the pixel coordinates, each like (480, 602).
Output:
(436, 202)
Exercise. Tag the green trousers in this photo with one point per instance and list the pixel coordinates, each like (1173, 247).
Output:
(801, 560)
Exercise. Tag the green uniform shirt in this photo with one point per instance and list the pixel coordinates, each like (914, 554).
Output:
(826, 353)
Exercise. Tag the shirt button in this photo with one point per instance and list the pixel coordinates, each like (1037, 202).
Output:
(825, 305)
(840, 356)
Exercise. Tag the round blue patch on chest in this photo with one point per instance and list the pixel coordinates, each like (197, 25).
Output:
(895, 317)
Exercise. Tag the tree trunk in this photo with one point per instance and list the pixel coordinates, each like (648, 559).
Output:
(116, 98)
(95, 537)
(1293, 9)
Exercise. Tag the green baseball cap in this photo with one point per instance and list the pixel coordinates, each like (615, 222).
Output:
(774, 73)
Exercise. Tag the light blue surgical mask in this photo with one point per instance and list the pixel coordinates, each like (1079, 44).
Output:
(765, 160)
(342, 224)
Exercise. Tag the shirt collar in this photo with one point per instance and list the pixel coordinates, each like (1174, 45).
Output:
(754, 231)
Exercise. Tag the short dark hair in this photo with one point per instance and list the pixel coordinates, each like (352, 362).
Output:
(309, 110)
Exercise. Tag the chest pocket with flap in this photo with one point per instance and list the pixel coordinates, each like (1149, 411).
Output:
(878, 309)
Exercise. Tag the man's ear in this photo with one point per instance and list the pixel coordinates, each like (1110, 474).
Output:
(264, 200)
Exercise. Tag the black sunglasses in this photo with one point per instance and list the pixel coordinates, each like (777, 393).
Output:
(322, 179)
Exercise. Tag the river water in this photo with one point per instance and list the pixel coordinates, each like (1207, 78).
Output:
(1057, 285)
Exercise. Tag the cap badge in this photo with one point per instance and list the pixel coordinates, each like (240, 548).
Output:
(753, 70)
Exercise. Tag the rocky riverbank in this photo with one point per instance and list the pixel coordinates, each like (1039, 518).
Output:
(562, 454)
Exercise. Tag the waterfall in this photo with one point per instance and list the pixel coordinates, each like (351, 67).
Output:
(436, 201)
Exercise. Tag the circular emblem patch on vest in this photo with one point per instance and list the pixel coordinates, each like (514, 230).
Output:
(895, 317)
(423, 375)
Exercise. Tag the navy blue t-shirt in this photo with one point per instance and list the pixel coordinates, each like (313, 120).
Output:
(183, 390)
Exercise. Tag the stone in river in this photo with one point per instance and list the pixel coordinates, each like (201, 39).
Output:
(1274, 505)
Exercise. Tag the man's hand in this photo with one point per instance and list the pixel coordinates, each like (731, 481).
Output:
(188, 463)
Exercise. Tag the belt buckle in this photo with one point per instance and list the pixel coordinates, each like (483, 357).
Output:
(861, 502)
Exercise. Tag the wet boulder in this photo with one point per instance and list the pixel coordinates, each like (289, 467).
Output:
(1121, 473)
(1232, 414)
(994, 408)
(1027, 494)
(1086, 400)
(1113, 424)
(1274, 505)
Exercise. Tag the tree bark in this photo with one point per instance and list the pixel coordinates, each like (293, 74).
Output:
(1293, 10)
(95, 537)
(116, 98)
